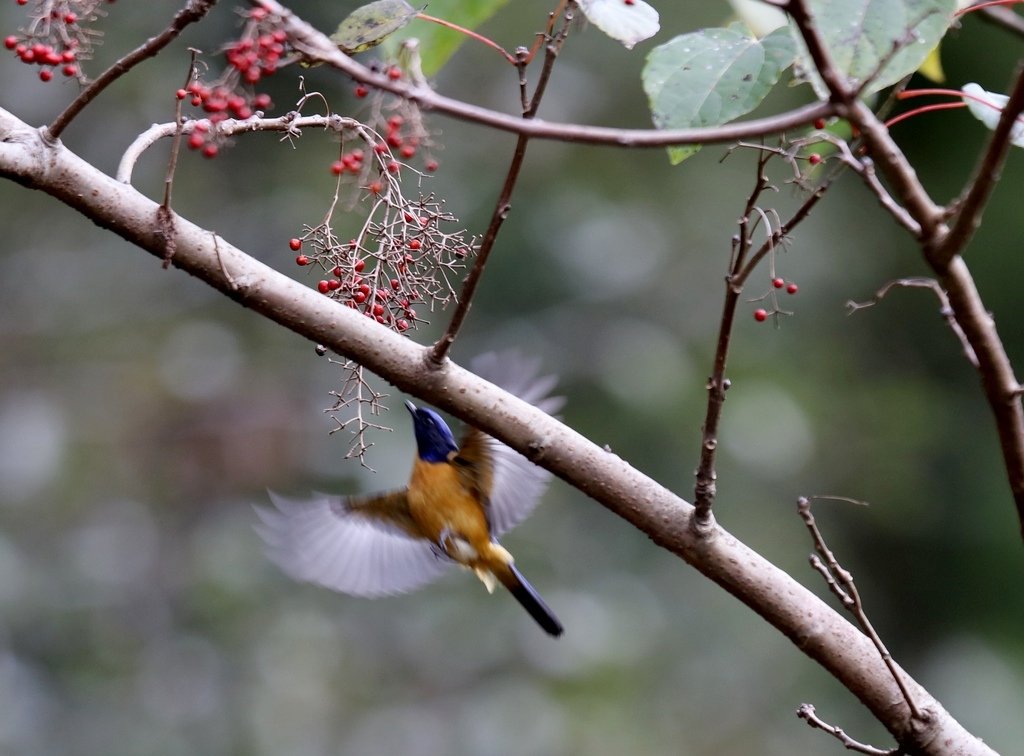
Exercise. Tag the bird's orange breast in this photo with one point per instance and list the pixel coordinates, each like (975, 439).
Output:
(440, 502)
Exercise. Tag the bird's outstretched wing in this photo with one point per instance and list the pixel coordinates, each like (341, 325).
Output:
(515, 483)
(358, 545)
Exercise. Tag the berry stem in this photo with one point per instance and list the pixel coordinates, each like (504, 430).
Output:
(469, 33)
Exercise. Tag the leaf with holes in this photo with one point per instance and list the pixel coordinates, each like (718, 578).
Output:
(626, 21)
(710, 77)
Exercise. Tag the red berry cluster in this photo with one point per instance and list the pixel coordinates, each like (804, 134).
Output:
(387, 299)
(402, 261)
(403, 131)
(350, 162)
(58, 37)
(761, 314)
(259, 51)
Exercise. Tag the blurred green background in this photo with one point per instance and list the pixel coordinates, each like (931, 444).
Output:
(142, 415)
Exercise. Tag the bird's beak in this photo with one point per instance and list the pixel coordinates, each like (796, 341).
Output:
(411, 407)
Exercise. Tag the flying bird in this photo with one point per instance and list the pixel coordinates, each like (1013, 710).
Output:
(461, 497)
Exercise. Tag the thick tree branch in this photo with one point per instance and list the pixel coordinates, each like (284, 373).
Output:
(998, 381)
(816, 629)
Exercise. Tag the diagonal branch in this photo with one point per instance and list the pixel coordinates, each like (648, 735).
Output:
(815, 628)
(317, 46)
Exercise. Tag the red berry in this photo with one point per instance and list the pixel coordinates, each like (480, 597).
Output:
(334, 284)
(361, 91)
(395, 283)
(359, 297)
(760, 315)
(337, 271)
(337, 167)
(295, 244)
(814, 158)
(394, 73)
(360, 264)
(322, 287)
(403, 325)
(778, 283)
(10, 42)
(378, 310)
(393, 167)
(415, 244)
(45, 75)
(819, 123)
(181, 94)
(69, 70)
(792, 289)
(375, 187)
(210, 150)
(196, 140)
(70, 18)
(302, 260)
(407, 151)
(431, 165)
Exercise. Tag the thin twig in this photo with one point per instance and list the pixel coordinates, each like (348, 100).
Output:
(193, 11)
(705, 486)
(806, 713)
(944, 308)
(841, 582)
(504, 203)
(984, 180)
(290, 123)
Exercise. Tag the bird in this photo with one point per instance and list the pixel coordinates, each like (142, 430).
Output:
(460, 498)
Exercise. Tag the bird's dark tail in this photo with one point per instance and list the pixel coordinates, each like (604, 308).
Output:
(531, 601)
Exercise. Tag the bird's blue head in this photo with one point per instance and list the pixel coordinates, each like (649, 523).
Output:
(434, 439)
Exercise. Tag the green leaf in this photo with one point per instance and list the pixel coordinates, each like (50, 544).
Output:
(710, 77)
(988, 107)
(862, 35)
(625, 21)
(368, 25)
(439, 43)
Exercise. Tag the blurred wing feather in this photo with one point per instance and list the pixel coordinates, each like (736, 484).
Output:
(515, 483)
(348, 545)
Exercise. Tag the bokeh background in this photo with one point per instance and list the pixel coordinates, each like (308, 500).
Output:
(142, 415)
